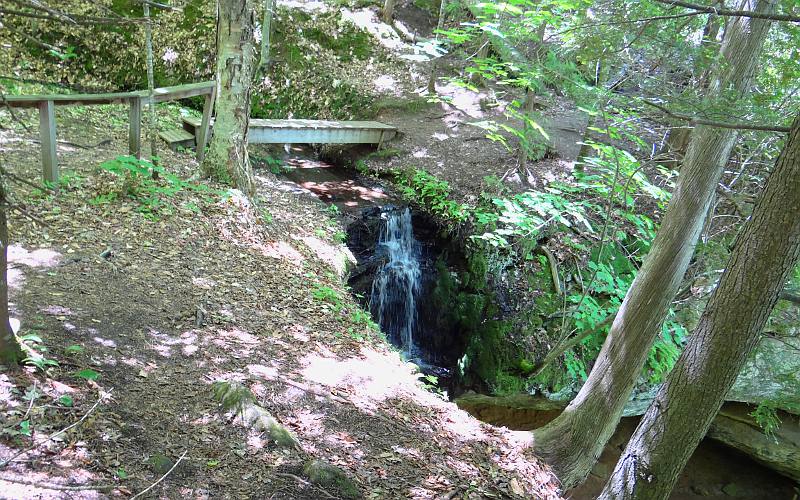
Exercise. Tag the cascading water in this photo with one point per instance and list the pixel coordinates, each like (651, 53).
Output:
(397, 284)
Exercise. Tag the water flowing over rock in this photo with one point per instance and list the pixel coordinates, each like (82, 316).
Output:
(397, 284)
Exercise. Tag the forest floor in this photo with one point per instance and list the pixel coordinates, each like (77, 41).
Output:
(144, 306)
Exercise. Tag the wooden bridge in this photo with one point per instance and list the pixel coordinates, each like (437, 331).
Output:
(195, 131)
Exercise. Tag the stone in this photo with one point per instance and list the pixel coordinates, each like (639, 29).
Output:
(732, 490)
(772, 373)
(734, 427)
(331, 478)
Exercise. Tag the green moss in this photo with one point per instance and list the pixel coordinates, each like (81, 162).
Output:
(330, 477)
(400, 104)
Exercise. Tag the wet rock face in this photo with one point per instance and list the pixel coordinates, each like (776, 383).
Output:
(437, 342)
(714, 470)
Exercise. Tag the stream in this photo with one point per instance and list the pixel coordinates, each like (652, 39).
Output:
(397, 250)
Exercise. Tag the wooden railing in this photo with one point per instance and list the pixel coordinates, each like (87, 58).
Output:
(47, 122)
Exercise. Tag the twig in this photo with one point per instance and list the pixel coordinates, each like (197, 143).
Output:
(50, 486)
(19, 179)
(180, 459)
(55, 434)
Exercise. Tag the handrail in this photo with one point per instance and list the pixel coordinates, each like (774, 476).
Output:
(47, 120)
(161, 94)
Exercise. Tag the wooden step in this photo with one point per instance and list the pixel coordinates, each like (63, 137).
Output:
(191, 124)
(177, 138)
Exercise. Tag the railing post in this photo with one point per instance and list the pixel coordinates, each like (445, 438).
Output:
(205, 126)
(47, 135)
(135, 127)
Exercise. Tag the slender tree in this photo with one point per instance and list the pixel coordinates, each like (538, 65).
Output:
(387, 13)
(572, 442)
(10, 351)
(766, 253)
(237, 52)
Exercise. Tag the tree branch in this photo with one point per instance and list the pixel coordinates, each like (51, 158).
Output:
(790, 295)
(693, 120)
(731, 13)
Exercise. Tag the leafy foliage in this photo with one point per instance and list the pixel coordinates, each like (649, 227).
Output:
(137, 183)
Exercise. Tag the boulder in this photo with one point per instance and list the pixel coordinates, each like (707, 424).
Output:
(734, 427)
(772, 373)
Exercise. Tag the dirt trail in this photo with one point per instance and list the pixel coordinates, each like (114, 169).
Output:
(215, 290)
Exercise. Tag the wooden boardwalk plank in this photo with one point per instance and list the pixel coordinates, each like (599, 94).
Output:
(318, 132)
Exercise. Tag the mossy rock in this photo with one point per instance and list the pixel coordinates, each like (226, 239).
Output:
(331, 478)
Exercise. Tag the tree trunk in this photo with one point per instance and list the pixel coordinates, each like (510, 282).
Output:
(10, 351)
(435, 63)
(574, 440)
(525, 144)
(266, 32)
(765, 255)
(151, 104)
(227, 158)
(388, 11)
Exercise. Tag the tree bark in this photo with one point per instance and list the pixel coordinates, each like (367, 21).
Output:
(266, 32)
(227, 158)
(765, 255)
(152, 130)
(10, 351)
(435, 63)
(387, 14)
(574, 440)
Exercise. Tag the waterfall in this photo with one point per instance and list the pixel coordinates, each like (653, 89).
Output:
(396, 286)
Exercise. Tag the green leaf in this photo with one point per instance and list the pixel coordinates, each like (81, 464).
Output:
(121, 473)
(25, 428)
(73, 349)
(31, 337)
(87, 374)
(66, 400)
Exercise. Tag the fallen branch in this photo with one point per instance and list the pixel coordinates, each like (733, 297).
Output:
(58, 487)
(55, 434)
(563, 347)
(180, 459)
(553, 264)
(693, 120)
(731, 13)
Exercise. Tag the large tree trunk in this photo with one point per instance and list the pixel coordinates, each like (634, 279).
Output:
(574, 440)
(227, 158)
(10, 352)
(763, 259)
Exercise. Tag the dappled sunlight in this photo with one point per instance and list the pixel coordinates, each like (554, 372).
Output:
(7, 397)
(41, 257)
(420, 153)
(386, 84)
(370, 379)
(264, 372)
(309, 6)
(337, 256)
(54, 310)
(185, 343)
(382, 33)
(464, 100)
(282, 250)
(105, 342)
(306, 422)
